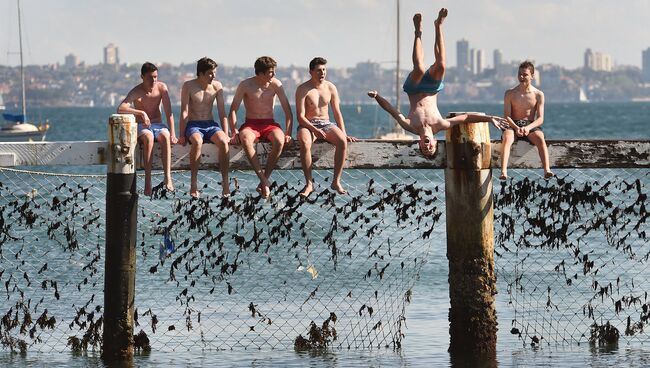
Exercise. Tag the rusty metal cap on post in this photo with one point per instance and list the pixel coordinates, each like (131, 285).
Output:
(468, 145)
(122, 141)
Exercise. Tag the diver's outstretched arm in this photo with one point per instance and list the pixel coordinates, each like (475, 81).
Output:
(395, 113)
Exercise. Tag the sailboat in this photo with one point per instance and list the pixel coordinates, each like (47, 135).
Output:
(397, 131)
(16, 127)
(582, 97)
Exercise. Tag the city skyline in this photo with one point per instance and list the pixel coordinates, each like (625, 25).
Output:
(236, 33)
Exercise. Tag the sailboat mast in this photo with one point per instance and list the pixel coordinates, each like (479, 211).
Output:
(397, 128)
(22, 68)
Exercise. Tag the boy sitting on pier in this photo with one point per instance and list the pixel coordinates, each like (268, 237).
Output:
(146, 98)
(258, 94)
(197, 122)
(523, 108)
(313, 99)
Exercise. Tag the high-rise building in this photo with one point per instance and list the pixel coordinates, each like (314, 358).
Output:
(462, 55)
(111, 55)
(597, 61)
(480, 61)
(497, 56)
(472, 60)
(645, 64)
(71, 61)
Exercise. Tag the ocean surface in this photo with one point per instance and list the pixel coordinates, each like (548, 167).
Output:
(426, 334)
(562, 121)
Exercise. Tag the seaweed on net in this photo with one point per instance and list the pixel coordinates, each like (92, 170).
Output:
(358, 250)
(581, 240)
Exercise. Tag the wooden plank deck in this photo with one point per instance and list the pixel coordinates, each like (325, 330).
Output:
(363, 154)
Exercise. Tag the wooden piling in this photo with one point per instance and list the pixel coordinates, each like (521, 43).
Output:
(121, 227)
(470, 241)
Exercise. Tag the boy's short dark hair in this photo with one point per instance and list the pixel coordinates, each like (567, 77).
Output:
(316, 62)
(263, 64)
(527, 65)
(205, 64)
(148, 68)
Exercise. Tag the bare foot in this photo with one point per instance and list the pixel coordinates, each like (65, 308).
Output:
(169, 186)
(417, 23)
(264, 190)
(548, 175)
(195, 194)
(306, 191)
(372, 94)
(338, 188)
(225, 188)
(504, 176)
(147, 190)
(441, 17)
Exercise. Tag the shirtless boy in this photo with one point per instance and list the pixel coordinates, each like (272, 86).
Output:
(197, 123)
(146, 98)
(422, 86)
(312, 101)
(524, 110)
(258, 94)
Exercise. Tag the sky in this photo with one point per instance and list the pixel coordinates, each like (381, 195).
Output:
(236, 32)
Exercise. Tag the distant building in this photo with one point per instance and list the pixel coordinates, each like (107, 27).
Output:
(368, 70)
(71, 61)
(645, 64)
(462, 55)
(497, 58)
(597, 61)
(111, 55)
(480, 61)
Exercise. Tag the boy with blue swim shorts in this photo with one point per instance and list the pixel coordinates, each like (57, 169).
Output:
(197, 123)
(146, 98)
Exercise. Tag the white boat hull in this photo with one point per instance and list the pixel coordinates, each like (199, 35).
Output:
(21, 133)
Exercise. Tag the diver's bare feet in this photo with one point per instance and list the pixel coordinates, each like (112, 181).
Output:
(195, 194)
(306, 191)
(417, 23)
(548, 175)
(373, 94)
(441, 17)
(504, 176)
(338, 188)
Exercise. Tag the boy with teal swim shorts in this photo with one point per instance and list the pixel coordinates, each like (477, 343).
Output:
(144, 101)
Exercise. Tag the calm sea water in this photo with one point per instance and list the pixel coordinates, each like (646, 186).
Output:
(563, 121)
(427, 337)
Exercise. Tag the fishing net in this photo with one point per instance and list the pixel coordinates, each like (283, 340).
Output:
(332, 271)
(572, 256)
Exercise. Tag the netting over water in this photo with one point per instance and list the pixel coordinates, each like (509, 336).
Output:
(571, 256)
(241, 273)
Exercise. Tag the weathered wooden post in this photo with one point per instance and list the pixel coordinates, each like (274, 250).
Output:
(470, 241)
(121, 227)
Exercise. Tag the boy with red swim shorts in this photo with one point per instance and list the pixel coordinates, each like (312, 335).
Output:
(258, 94)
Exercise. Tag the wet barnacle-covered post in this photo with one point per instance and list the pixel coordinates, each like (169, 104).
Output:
(470, 240)
(121, 226)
